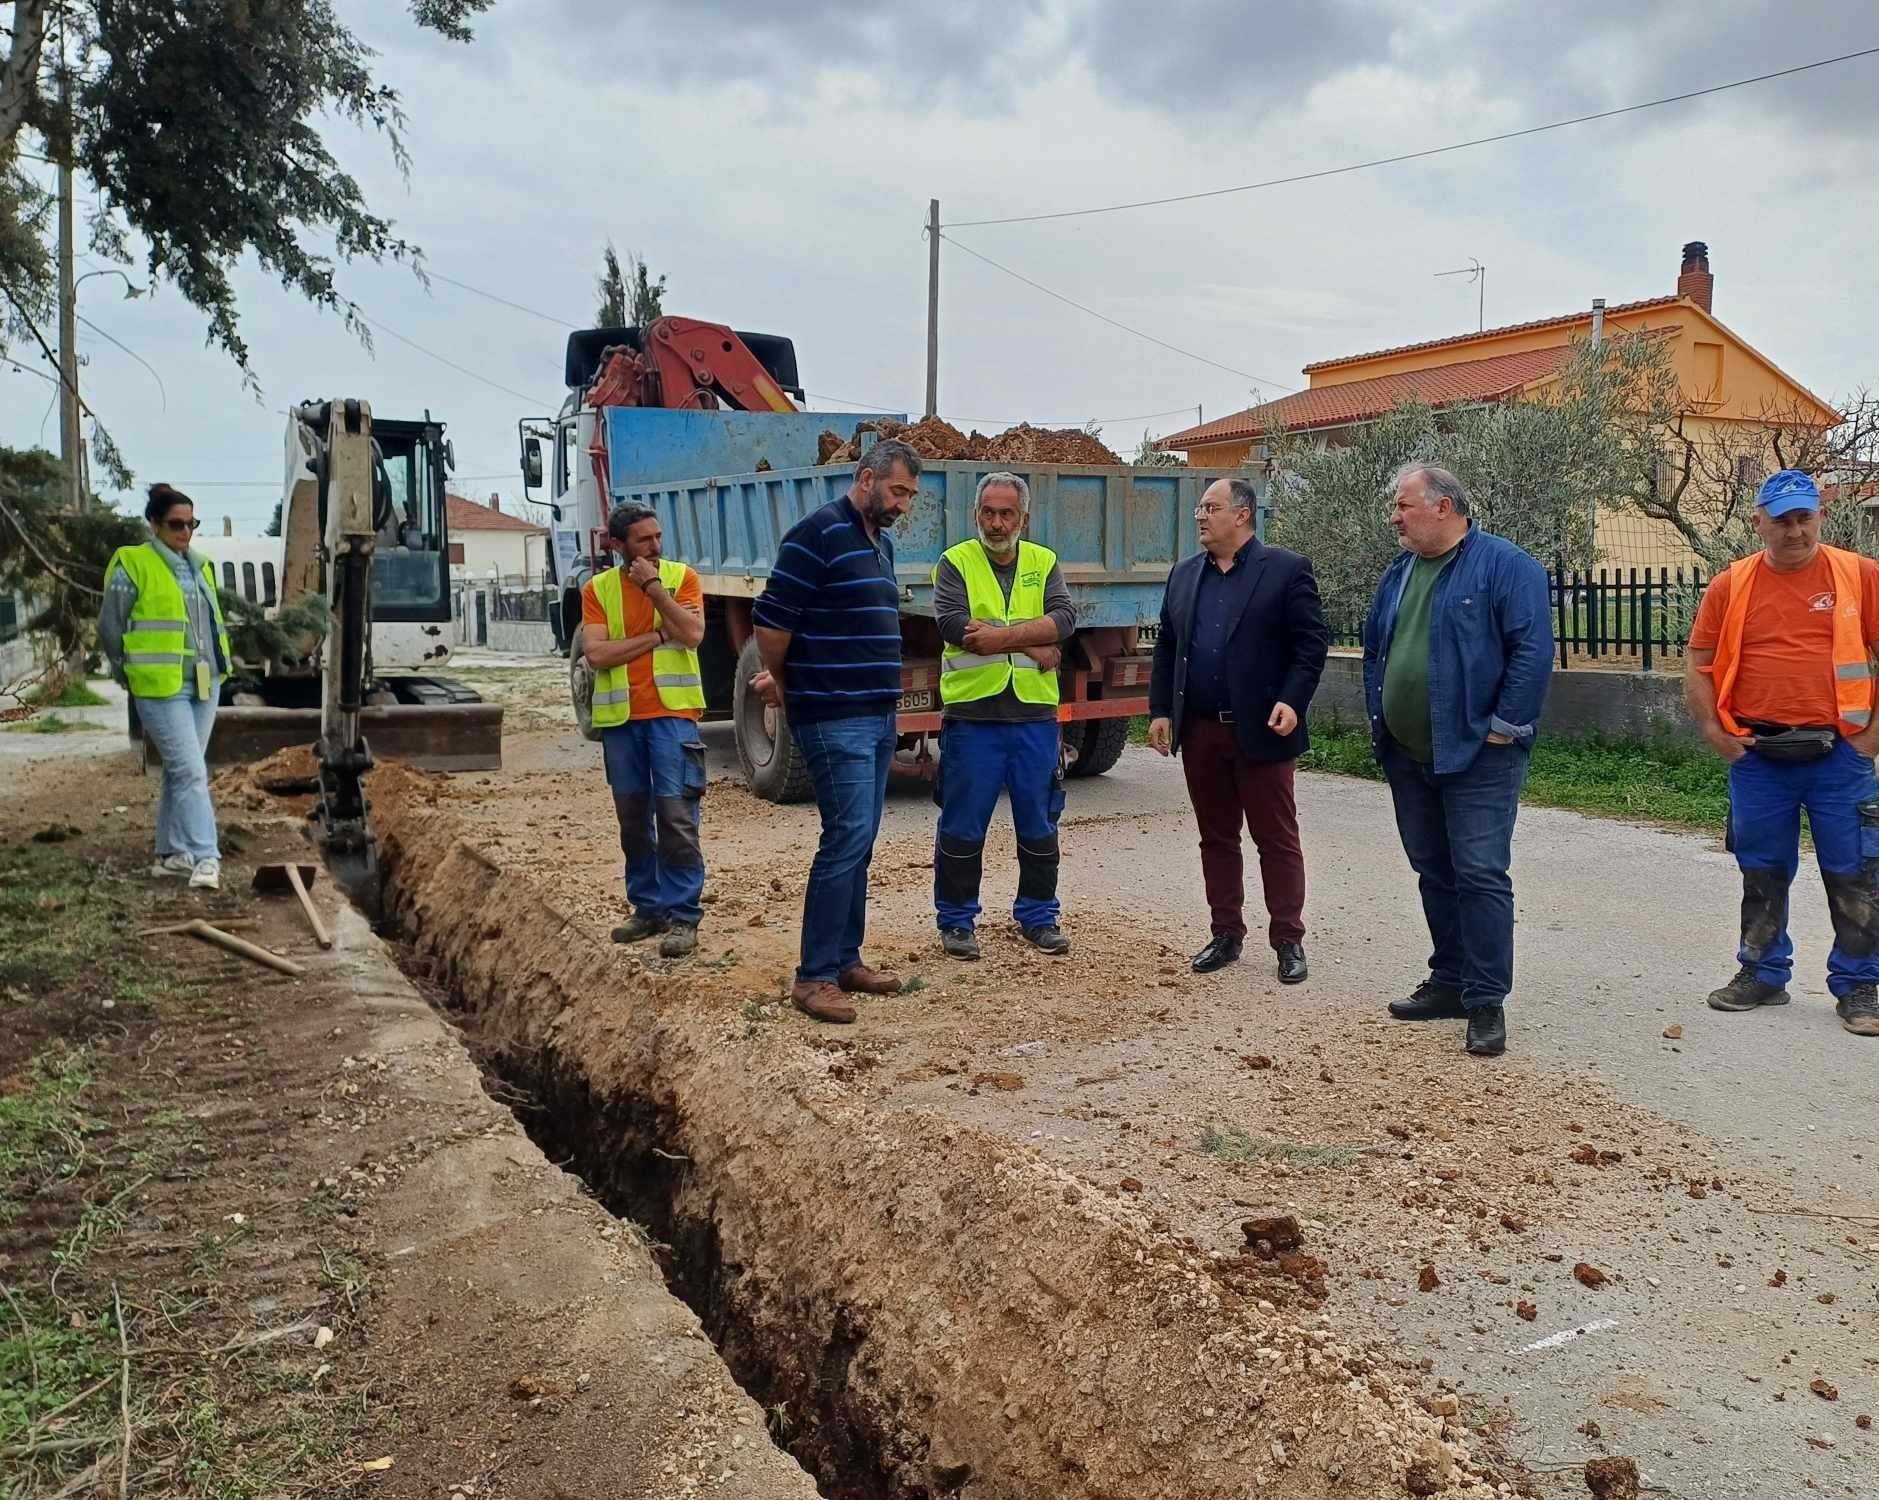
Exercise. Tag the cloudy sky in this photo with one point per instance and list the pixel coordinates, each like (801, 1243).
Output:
(774, 162)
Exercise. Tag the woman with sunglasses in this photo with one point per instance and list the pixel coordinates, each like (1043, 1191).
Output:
(161, 628)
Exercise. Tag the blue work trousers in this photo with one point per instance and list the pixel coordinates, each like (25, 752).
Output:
(848, 761)
(656, 771)
(179, 728)
(1841, 796)
(1458, 830)
(978, 760)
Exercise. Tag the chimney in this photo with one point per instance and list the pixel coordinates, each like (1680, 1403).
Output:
(1598, 321)
(228, 525)
(495, 502)
(1694, 280)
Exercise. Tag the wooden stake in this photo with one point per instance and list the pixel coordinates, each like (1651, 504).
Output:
(320, 934)
(251, 951)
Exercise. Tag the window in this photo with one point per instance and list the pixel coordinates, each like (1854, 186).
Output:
(267, 583)
(228, 578)
(456, 554)
(9, 617)
(247, 581)
(409, 567)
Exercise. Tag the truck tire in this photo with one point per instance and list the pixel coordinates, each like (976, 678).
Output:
(581, 685)
(1098, 745)
(773, 767)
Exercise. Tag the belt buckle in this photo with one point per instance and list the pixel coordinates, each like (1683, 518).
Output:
(1225, 716)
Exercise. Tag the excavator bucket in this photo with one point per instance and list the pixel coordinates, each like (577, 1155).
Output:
(430, 736)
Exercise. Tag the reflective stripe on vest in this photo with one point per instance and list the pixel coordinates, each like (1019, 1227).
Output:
(1852, 653)
(675, 673)
(156, 638)
(966, 676)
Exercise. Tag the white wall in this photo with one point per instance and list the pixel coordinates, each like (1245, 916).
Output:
(516, 555)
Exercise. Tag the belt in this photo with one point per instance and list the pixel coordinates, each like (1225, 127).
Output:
(1756, 727)
(1224, 716)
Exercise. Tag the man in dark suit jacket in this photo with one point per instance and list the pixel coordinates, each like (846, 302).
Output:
(1241, 649)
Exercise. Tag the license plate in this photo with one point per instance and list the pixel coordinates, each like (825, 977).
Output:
(913, 703)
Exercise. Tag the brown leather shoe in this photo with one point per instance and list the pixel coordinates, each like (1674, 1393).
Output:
(823, 1002)
(863, 980)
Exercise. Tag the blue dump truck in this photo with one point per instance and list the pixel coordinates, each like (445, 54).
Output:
(728, 484)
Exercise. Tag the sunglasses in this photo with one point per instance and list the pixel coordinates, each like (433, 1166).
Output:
(181, 525)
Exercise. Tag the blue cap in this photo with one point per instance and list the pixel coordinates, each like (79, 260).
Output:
(1788, 490)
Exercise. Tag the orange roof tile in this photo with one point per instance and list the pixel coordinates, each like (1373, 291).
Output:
(471, 515)
(1465, 382)
(1583, 315)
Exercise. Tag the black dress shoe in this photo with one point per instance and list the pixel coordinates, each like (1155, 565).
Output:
(1487, 1031)
(1429, 1002)
(1292, 968)
(1223, 950)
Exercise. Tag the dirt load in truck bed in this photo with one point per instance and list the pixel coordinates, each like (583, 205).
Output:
(935, 437)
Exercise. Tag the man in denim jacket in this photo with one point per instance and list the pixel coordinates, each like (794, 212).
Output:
(1458, 652)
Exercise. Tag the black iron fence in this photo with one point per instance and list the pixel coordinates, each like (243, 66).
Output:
(1620, 616)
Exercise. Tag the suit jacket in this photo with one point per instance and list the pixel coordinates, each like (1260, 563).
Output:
(1275, 652)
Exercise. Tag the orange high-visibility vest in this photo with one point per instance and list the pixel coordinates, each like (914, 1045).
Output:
(1852, 659)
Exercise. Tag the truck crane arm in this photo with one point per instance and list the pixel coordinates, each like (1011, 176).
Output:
(683, 364)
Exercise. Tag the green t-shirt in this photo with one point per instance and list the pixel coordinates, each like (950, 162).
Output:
(1406, 673)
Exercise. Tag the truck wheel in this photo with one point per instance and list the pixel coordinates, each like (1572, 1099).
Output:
(1099, 746)
(581, 684)
(773, 767)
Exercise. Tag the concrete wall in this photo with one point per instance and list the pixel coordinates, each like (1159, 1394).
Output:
(524, 637)
(17, 657)
(513, 554)
(1621, 705)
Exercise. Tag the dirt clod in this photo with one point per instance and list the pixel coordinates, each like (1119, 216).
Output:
(1255, 1062)
(1429, 1470)
(1513, 1224)
(1863, 1422)
(1590, 1276)
(1824, 1390)
(1591, 1429)
(1673, 1033)
(1427, 1280)
(1001, 1080)
(1612, 1478)
(1271, 1235)
(935, 437)
(1526, 1311)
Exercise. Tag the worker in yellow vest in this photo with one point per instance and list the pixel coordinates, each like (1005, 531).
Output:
(1003, 611)
(1780, 682)
(161, 629)
(640, 627)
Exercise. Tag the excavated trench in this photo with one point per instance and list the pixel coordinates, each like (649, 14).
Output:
(924, 1309)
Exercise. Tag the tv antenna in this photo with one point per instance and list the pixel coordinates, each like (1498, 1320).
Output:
(1475, 272)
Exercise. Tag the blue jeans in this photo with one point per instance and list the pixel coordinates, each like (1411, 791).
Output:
(1841, 796)
(978, 760)
(848, 761)
(656, 771)
(1458, 831)
(179, 729)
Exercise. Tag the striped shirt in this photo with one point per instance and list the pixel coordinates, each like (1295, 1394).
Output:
(832, 587)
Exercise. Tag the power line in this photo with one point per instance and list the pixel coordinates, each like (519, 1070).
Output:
(1145, 416)
(161, 391)
(504, 301)
(378, 327)
(1389, 161)
(1105, 318)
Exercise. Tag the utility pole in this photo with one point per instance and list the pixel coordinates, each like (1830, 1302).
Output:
(932, 307)
(71, 438)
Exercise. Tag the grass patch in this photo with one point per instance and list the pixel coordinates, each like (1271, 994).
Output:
(47, 724)
(54, 916)
(1237, 1145)
(42, 1129)
(77, 693)
(46, 1365)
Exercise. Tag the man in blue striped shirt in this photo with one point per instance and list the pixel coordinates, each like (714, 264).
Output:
(828, 629)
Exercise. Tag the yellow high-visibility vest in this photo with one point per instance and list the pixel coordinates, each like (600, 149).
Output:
(674, 668)
(156, 640)
(966, 676)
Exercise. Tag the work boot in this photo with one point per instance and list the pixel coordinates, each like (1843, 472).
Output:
(1746, 992)
(173, 867)
(680, 941)
(1487, 1031)
(1858, 1010)
(1048, 939)
(1223, 950)
(638, 929)
(821, 1001)
(1292, 968)
(863, 980)
(207, 876)
(958, 942)
(1429, 1001)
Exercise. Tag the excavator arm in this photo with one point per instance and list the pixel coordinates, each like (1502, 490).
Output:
(685, 365)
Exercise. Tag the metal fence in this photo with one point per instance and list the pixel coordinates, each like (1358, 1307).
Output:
(1620, 616)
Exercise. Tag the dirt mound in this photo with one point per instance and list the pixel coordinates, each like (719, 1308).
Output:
(278, 783)
(936, 438)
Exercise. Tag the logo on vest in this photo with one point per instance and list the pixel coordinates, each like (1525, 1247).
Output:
(1821, 604)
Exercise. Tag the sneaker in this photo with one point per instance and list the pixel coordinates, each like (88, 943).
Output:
(207, 875)
(1429, 1001)
(174, 867)
(638, 929)
(1048, 939)
(680, 941)
(1746, 992)
(1858, 1010)
(958, 942)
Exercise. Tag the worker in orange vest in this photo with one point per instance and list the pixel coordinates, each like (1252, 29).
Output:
(1780, 682)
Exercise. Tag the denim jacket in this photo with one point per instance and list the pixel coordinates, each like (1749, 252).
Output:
(1490, 647)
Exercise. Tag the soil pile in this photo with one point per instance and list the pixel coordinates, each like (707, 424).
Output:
(935, 437)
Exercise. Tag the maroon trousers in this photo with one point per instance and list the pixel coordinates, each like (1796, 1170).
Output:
(1225, 787)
